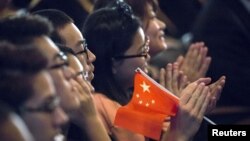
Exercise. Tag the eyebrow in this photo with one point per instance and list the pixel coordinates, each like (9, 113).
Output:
(59, 55)
(56, 56)
(81, 42)
(49, 99)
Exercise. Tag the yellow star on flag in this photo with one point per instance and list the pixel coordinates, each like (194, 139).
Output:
(145, 87)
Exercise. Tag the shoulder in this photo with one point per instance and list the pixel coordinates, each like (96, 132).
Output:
(103, 101)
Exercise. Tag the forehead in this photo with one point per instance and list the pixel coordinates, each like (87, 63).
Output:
(138, 40)
(71, 34)
(48, 47)
(43, 87)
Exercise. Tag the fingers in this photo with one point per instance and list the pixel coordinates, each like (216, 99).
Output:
(204, 67)
(204, 106)
(84, 84)
(180, 61)
(211, 104)
(187, 93)
(206, 80)
(200, 56)
(217, 87)
(200, 101)
(169, 77)
(175, 79)
(162, 77)
(196, 96)
(166, 124)
(77, 88)
(195, 57)
(189, 55)
(196, 63)
(183, 81)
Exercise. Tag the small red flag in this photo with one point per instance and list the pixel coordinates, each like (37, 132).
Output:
(150, 105)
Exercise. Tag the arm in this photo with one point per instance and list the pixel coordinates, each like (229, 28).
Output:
(86, 116)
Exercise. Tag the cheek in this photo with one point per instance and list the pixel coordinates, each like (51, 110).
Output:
(84, 63)
(43, 121)
(130, 66)
(82, 60)
(61, 84)
(64, 89)
(152, 30)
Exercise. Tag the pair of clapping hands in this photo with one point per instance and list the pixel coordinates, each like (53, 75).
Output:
(192, 69)
(198, 96)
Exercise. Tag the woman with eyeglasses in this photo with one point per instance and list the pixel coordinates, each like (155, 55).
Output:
(195, 63)
(117, 39)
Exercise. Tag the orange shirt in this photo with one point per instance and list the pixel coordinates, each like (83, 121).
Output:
(107, 109)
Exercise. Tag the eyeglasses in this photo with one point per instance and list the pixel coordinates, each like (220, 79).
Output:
(81, 43)
(85, 49)
(48, 106)
(144, 52)
(81, 73)
(63, 59)
(68, 50)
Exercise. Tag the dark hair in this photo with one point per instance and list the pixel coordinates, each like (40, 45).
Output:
(58, 19)
(17, 72)
(140, 7)
(21, 3)
(103, 3)
(23, 29)
(110, 32)
(5, 110)
(19, 58)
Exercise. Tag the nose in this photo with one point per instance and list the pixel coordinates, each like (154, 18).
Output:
(92, 57)
(161, 24)
(68, 73)
(148, 57)
(59, 117)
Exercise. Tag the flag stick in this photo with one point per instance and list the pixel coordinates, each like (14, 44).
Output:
(209, 120)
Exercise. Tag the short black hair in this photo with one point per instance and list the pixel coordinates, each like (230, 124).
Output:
(17, 72)
(23, 29)
(58, 19)
(14, 57)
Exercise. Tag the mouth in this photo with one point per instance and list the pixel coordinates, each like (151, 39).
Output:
(162, 35)
(88, 76)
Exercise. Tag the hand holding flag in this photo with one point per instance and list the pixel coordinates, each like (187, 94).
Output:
(152, 103)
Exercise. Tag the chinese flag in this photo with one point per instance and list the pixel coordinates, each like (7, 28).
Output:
(150, 105)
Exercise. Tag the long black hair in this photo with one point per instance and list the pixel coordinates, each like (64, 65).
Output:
(109, 32)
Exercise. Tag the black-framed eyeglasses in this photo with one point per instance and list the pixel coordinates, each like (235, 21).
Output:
(82, 52)
(85, 49)
(47, 107)
(68, 50)
(63, 59)
(80, 73)
(144, 52)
